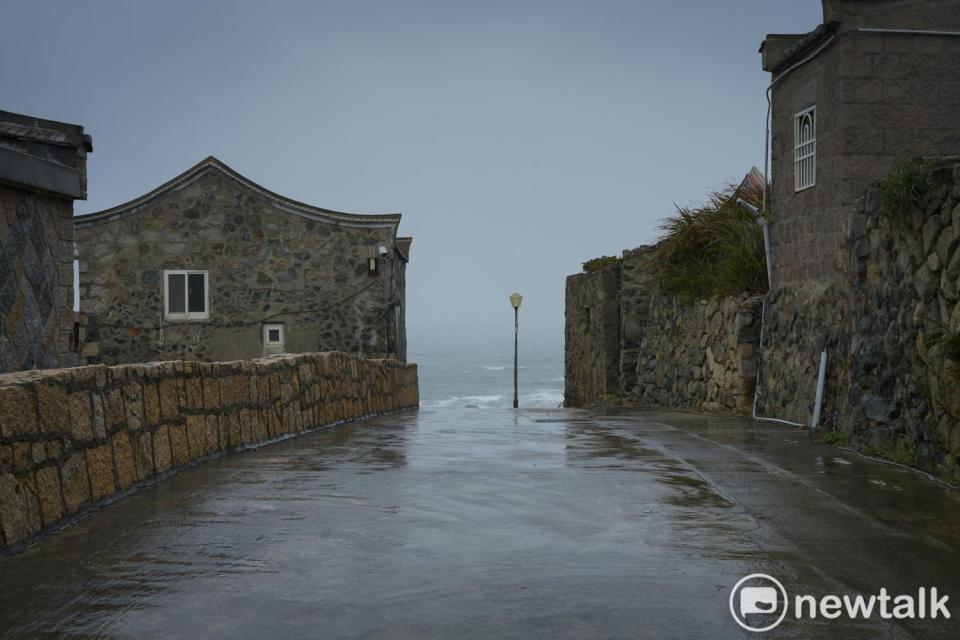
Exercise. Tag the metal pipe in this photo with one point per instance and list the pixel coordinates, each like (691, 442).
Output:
(821, 379)
(913, 32)
(766, 228)
(749, 208)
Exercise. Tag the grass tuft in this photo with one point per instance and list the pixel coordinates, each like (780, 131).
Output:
(597, 264)
(906, 186)
(713, 249)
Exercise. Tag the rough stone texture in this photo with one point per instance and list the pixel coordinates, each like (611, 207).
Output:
(36, 240)
(699, 355)
(61, 469)
(269, 259)
(886, 385)
(628, 341)
(592, 326)
(878, 97)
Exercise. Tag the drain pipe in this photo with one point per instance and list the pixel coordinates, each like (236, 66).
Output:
(762, 221)
(821, 379)
(749, 208)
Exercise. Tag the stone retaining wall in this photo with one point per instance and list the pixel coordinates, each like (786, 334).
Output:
(71, 439)
(593, 317)
(699, 355)
(888, 388)
(626, 341)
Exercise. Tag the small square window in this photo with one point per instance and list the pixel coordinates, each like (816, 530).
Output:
(805, 149)
(186, 295)
(273, 335)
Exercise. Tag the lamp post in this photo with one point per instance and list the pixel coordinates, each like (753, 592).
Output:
(515, 300)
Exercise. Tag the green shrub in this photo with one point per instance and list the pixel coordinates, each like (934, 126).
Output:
(713, 249)
(596, 264)
(906, 186)
(835, 437)
(946, 347)
(904, 451)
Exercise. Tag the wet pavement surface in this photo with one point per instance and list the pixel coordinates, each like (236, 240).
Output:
(494, 524)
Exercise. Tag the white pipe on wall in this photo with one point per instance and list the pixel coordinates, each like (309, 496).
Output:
(821, 379)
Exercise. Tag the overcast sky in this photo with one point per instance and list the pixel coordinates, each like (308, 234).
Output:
(518, 138)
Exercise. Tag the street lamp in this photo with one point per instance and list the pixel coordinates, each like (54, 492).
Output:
(515, 300)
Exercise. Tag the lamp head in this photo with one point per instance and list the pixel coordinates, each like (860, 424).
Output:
(515, 300)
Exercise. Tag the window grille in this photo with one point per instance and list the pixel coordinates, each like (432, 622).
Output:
(805, 149)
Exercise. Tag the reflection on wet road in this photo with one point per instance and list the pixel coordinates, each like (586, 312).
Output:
(493, 524)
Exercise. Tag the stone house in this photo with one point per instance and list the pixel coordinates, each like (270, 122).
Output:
(42, 171)
(879, 79)
(213, 267)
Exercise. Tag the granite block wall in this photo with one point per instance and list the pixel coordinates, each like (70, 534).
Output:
(268, 259)
(73, 439)
(592, 355)
(889, 388)
(36, 280)
(699, 355)
(878, 96)
(628, 342)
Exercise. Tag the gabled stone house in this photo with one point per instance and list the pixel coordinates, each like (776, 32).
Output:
(42, 171)
(879, 79)
(211, 266)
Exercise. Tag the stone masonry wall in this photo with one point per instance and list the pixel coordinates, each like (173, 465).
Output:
(72, 439)
(266, 264)
(878, 96)
(36, 280)
(887, 388)
(699, 355)
(628, 342)
(592, 337)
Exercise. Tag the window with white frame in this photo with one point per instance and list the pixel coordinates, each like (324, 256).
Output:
(273, 335)
(805, 149)
(186, 295)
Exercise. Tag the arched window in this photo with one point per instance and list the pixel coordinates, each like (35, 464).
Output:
(805, 149)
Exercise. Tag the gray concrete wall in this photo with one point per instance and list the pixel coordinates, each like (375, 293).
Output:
(268, 261)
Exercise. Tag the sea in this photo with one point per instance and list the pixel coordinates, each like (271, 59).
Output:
(476, 371)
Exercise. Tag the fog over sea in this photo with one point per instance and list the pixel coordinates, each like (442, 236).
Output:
(475, 370)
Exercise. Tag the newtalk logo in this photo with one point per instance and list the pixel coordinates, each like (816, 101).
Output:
(759, 603)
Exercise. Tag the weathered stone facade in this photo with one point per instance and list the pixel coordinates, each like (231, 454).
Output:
(887, 386)
(888, 389)
(42, 171)
(592, 330)
(877, 96)
(628, 341)
(73, 439)
(267, 259)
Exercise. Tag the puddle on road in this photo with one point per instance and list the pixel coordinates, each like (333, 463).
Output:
(695, 492)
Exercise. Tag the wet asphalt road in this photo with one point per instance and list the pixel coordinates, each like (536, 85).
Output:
(493, 524)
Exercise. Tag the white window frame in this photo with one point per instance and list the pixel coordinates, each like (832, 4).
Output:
(266, 336)
(805, 150)
(187, 314)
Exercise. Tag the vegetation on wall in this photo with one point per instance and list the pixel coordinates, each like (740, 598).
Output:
(596, 264)
(946, 347)
(714, 249)
(906, 186)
